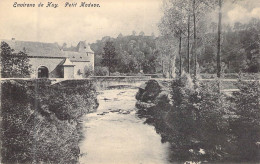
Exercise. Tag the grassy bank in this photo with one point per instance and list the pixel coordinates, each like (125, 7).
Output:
(202, 124)
(40, 121)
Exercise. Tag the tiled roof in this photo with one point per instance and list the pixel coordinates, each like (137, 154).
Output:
(68, 62)
(39, 49)
(76, 56)
(84, 47)
(35, 48)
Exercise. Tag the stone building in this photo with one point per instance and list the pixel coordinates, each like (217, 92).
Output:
(50, 61)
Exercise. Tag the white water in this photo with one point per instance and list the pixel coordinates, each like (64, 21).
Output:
(120, 137)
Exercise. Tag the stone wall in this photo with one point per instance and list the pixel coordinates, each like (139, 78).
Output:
(55, 67)
(50, 63)
(80, 66)
(68, 72)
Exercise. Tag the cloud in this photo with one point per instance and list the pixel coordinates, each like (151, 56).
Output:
(243, 15)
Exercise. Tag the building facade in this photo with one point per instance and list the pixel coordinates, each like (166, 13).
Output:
(50, 61)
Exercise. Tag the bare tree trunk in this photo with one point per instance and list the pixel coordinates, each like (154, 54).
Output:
(169, 66)
(195, 39)
(109, 65)
(219, 46)
(188, 46)
(180, 55)
(162, 67)
(219, 40)
(173, 67)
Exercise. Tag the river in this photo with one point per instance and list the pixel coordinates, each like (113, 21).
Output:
(116, 135)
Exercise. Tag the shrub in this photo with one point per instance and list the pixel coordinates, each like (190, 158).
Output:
(245, 127)
(88, 71)
(40, 121)
(198, 117)
(14, 65)
(116, 74)
(101, 71)
(192, 120)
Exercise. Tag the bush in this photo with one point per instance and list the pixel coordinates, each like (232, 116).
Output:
(116, 74)
(245, 127)
(196, 120)
(41, 121)
(199, 117)
(88, 71)
(101, 71)
(192, 120)
(14, 65)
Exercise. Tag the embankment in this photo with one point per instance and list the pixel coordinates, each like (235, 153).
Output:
(202, 124)
(41, 122)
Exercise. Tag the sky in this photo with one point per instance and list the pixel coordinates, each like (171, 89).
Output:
(75, 24)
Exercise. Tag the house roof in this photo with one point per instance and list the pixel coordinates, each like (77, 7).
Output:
(84, 47)
(35, 48)
(76, 56)
(40, 49)
(68, 62)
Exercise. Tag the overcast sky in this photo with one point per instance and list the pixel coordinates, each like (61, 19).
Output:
(71, 25)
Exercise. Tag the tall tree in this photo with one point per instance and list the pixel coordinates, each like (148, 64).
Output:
(219, 39)
(174, 23)
(14, 65)
(195, 37)
(109, 55)
(199, 11)
(188, 44)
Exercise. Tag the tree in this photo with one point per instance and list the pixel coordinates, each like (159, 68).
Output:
(167, 55)
(109, 55)
(14, 65)
(141, 33)
(219, 40)
(88, 71)
(173, 23)
(176, 21)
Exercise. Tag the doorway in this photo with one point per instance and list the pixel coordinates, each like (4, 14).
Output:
(43, 72)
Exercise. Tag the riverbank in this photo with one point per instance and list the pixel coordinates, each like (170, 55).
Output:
(40, 121)
(202, 124)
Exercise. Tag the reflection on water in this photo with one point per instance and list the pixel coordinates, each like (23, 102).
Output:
(116, 135)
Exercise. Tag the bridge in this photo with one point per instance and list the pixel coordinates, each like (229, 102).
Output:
(106, 82)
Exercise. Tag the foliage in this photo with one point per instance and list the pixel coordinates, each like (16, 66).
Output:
(88, 71)
(40, 122)
(245, 127)
(133, 53)
(109, 54)
(101, 71)
(14, 65)
(197, 117)
(197, 120)
(240, 43)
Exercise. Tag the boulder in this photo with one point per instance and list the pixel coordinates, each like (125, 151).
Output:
(150, 92)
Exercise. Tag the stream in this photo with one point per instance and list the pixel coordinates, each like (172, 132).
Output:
(116, 135)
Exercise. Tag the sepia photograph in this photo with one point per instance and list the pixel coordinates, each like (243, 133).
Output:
(130, 81)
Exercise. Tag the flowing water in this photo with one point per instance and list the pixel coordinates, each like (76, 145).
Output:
(116, 135)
